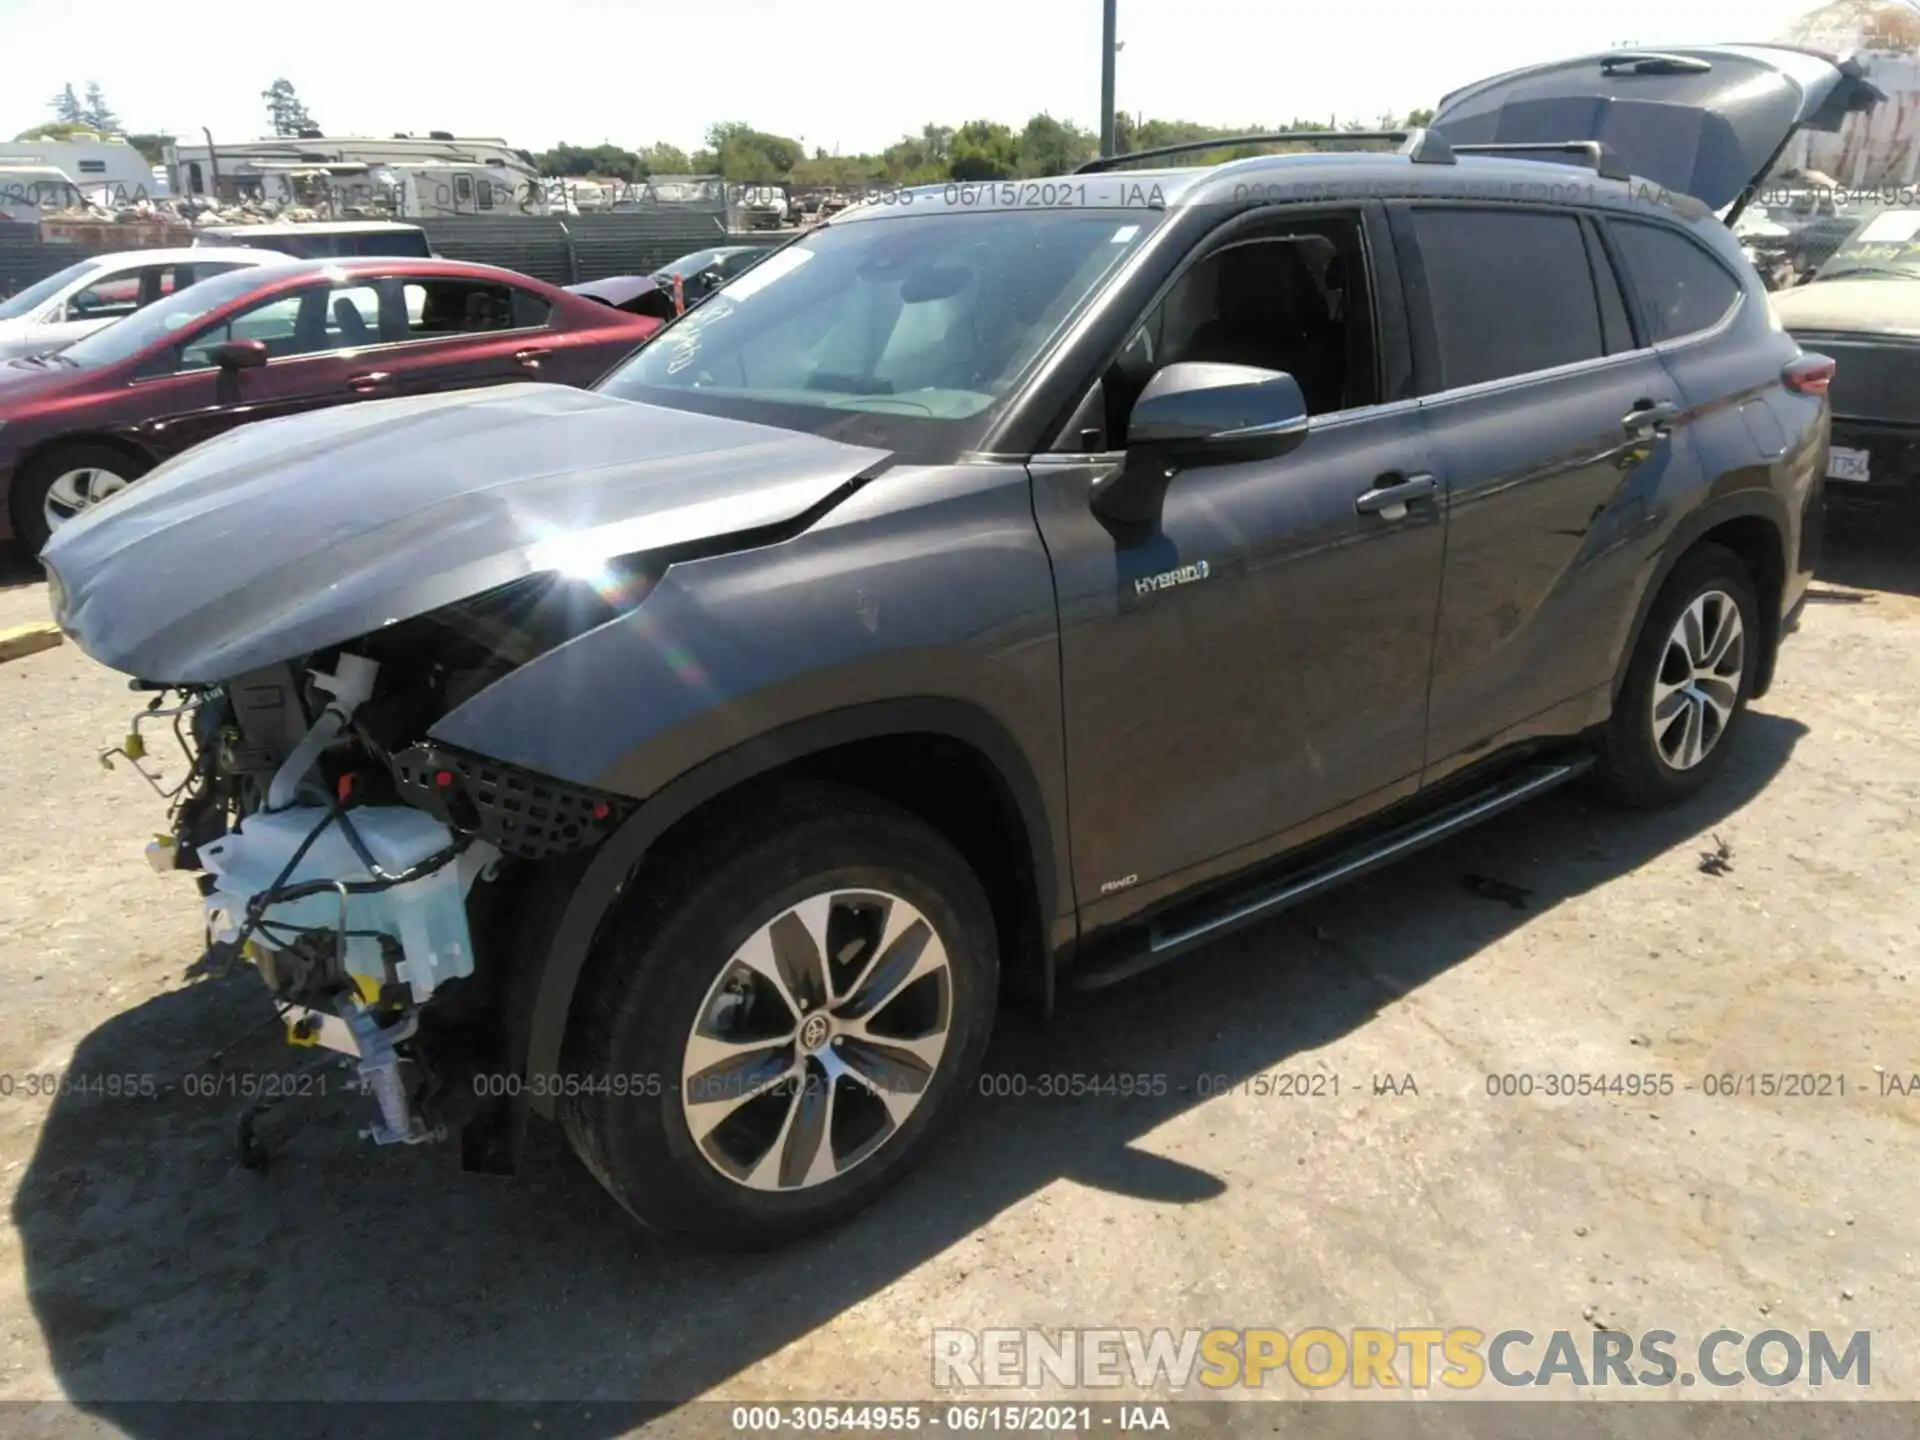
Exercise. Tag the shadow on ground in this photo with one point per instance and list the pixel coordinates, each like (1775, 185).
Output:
(1871, 552)
(17, 567)
(159, 1270)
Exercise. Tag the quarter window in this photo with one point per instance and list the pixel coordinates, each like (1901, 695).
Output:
(1510, 292)
(1681, 288)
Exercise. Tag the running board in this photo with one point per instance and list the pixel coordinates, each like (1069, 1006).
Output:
(1174, 935)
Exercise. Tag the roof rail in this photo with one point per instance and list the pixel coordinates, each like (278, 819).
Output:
(1421, 146)
(1599, 155)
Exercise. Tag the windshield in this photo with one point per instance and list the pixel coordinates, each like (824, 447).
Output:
(691, 265)
(34, 296)
(164, 318)
(905, 332)
(1887, 247)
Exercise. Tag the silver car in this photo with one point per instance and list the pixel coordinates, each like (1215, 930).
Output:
(93, 293)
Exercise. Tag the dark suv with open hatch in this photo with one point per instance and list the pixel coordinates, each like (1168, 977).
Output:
(998, 592)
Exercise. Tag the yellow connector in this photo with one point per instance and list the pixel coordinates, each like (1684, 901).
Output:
(303, 1031)
(368, 987)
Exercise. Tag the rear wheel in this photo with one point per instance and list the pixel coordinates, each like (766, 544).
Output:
(1687, 684)
(774, 1030)
(63, 483)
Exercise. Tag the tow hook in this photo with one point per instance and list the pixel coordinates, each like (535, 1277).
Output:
(380, 1075)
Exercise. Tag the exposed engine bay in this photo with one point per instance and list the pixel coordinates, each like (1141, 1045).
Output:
(344, 858)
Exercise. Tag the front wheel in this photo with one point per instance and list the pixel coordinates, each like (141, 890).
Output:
(63, 483)
(1687, 683)
(774, 1029)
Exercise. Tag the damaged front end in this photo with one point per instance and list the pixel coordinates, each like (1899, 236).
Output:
(362, 869)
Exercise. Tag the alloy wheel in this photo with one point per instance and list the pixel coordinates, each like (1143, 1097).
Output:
(818, 1040)
(76, 490)
(1698, 684)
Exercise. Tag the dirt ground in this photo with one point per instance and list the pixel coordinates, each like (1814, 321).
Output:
(141, 1264)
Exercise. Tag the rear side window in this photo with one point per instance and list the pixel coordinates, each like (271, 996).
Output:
(437, 308)
(411, 245)
(1510, 290)
(1681, 288)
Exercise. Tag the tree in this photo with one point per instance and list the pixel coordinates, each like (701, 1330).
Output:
(739, 152)
(152, 148)
(285, 112)
(1053, 147)
(983, 150)
(96, 112)
(56, 130)
(609, 162)
(66, 107)
(661, 158)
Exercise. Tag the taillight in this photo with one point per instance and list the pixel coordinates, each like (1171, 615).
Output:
(1809, 375)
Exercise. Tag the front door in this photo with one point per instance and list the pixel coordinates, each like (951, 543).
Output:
(317, 338)
(1256, 665)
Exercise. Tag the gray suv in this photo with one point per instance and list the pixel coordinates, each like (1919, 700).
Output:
(999, 589)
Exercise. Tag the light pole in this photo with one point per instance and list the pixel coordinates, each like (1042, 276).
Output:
(1108, 49)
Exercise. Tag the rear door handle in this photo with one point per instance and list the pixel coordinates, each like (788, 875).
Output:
(1649, 417)
(1390, 502)
(372, 380)
(530, 358)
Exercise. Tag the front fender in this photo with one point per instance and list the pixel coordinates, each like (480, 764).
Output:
(587, 900)
(922, 604)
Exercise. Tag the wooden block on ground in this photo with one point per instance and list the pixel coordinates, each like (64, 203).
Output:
(28, 640)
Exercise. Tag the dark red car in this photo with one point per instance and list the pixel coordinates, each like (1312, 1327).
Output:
(80, 424)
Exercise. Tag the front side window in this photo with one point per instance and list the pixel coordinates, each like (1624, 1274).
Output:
(29, 300)
(1681, 288)
(171, 318)
(905, 331)
(275, 323)
(111, 295)
(1510, 292)
(1292, 297)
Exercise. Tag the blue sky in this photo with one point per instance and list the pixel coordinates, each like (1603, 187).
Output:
(849, 75)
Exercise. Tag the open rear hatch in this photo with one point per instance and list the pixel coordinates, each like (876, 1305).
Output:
(1704, 120)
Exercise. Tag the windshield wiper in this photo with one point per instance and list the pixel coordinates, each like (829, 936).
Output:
(1895, 271)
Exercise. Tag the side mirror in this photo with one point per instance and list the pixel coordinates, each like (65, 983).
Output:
(239, 354)
(1195, 412)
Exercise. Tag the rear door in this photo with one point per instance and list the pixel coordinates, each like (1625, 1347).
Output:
(1704, 120)
(1552, 423)
(459, 331)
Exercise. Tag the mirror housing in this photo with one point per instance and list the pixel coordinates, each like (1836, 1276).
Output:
(239, 354)
(1196, 412)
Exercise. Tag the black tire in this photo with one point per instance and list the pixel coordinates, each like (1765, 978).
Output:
(30, 487)
(1633, 769)
(661, 954)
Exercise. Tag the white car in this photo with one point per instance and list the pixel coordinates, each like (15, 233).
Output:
(95, 292)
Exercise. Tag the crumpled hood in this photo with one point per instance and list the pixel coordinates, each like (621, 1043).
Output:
(290, 535)
(1871, 305)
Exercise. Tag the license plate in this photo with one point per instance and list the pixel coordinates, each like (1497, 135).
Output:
(1844, 464)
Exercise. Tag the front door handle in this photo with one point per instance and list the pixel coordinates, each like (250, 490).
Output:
(370, 381)
(1389, 501)
(1649, 417)
(530, 358)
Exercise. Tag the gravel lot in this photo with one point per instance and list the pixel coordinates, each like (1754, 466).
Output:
(142, 1264)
